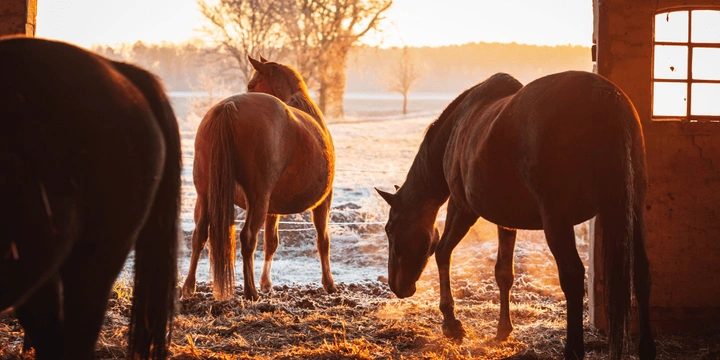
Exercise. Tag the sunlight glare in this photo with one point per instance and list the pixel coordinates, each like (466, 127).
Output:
(706, 26)
(705, 99)
(671, 62)
(671, 27)
(706, 64)
(670, 99)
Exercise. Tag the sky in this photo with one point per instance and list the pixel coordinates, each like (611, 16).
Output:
(409, 22)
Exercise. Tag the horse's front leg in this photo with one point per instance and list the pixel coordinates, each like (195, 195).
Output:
(254, 219)
(457, 225)
(320, 216)
(271, 245)
(505, 275)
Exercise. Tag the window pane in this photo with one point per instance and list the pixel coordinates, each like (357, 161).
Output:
(706, 63)
(705, 99)
(669, 99)
(706, 26)
(671, 62)
(672, 27)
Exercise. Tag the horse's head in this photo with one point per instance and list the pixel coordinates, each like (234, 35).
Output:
(275, 79)
(412, 237)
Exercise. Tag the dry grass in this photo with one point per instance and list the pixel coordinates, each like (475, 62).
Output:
(362, 321)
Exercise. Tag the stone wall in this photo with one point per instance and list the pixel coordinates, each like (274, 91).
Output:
(17, 17)
(683, 203)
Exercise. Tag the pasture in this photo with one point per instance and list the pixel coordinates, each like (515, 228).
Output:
(364, 320)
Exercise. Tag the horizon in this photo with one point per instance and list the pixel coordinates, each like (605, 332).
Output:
(556, 23)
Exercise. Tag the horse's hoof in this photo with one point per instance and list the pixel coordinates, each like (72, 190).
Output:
(575, 352)
(188, 291)
(267, 289)
(453, 329)
(646, 349)
(502, 334)
(330, 289)
(252, 296)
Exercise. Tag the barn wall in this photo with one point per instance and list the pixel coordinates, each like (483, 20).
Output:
(683, 203)
(17, 17)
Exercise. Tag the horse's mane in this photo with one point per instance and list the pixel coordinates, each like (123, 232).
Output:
(295, 87)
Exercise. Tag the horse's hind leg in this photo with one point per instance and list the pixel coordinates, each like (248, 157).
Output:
(87, 277)
(561, 239)
(642, 284)
(456, 226)
(271, 245)
(199, 238)
(40, 316)
(320, 219)
(505, 275)
(256, 212)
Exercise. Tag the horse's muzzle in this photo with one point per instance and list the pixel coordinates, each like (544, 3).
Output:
(401, 289)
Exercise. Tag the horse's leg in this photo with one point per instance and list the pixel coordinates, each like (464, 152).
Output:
(199, 239)
(561, 239)
(505, 275)
(642, 284)
(320, 219)
(271, 245)
(456, 226)
(39, 315)
(87, 277)
(254, 217)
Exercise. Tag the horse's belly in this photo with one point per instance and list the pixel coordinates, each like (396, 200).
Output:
(516, 208)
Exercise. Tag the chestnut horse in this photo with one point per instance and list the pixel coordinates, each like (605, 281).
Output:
(90, 159)
(271, 155)
(545, 156)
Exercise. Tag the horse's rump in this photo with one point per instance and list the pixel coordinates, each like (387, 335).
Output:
(273, 144)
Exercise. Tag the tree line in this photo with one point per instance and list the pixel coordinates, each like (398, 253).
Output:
(445, 69)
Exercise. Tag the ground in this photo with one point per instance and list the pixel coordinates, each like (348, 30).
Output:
(364, 320)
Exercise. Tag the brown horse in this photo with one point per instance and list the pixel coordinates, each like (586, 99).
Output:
(545, 156)
(90, 158)
(268, 154)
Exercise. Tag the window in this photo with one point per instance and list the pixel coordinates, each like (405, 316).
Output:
(686, 66)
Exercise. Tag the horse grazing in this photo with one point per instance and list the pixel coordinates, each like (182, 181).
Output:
(545, 156)
(90, 158)
(271, 155)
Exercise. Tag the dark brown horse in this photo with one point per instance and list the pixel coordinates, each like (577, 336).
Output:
(90, 159)
(268, 154)
(545, 156)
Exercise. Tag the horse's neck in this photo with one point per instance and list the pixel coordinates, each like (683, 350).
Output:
(426, 176)
(302, 101)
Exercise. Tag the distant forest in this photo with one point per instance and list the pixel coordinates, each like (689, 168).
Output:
(446, 69)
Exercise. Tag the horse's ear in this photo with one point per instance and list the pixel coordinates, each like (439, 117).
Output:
(397, 187)
(256, 64)
(263, 59)
(390, 198)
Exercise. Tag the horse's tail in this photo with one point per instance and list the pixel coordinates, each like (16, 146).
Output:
(221, 195)
(156, 248)
(617, 220)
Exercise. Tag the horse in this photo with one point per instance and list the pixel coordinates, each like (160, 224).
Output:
(549, 155)
(269, 152)
(90, 158)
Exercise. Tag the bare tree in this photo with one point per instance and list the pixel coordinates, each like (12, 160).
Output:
(403, 76)
(238, 28)
(320, 34)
